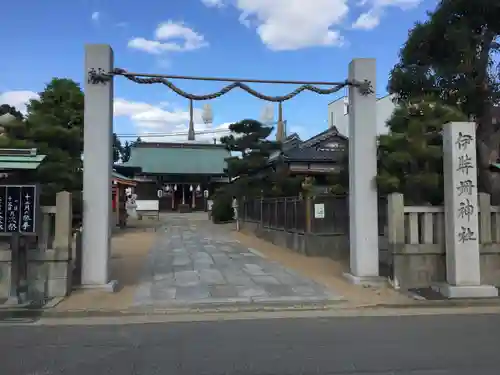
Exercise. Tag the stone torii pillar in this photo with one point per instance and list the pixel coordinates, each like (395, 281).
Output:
(97, 169)
(363, 201)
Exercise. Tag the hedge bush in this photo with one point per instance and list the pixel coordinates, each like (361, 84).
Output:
(222, 210)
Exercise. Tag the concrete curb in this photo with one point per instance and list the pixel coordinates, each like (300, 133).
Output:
(177, 309)
(240, 308)
(441, 303)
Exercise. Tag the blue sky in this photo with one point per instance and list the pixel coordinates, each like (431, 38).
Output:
(268, 39)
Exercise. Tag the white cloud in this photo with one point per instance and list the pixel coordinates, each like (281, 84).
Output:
(95, 16)
(18, 99)
(294, 24)
(213, 3)
(403, 4)
(147, 118)
(371, 18)
(170, 37)
(153, 119)
(367, 21)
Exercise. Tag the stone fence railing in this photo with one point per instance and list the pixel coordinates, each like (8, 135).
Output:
(44, 270)
(414, 243)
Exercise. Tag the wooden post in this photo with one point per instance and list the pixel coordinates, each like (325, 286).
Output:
(173, 198)
(285, 216)
(308, 214)
(261, 211)
(276, 213)
(15, 268)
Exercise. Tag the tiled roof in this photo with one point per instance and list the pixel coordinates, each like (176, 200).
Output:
(179, 158)
(292, 141)
(310, 150)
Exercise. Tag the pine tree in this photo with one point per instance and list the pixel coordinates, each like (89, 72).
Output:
(410, 156)
(453, 56)
(249, 139)
(125, 152)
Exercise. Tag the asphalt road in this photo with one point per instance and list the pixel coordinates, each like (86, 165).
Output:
(426, 345)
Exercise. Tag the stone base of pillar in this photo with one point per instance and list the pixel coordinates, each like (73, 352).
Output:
(473, 291)
(373, 281)
(110, 287)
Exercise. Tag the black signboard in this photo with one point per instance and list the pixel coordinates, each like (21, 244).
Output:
(18, 209)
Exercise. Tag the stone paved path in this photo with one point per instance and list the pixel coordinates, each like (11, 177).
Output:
(196, 262)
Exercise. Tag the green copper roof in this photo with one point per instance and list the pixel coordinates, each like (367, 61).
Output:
(12, 162)
(179, 160)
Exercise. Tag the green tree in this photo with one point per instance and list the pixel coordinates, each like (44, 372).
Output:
(117, 148)
(451, 57)
(126, 151)
(14, 134)
(55, 126)
(282, 183)
(5, 108)
(410, 156)
(249, 140)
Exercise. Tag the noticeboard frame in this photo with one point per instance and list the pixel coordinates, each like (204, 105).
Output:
(36, 210)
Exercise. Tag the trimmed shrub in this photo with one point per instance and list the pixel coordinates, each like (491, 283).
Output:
(222, 210)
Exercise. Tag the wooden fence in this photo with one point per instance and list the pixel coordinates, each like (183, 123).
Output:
(279, 213)
(298, 215)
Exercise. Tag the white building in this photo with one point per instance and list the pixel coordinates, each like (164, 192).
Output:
(338, 114)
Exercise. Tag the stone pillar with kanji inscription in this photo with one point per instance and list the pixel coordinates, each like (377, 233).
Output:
(461, 214)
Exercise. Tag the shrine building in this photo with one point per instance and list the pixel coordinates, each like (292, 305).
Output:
(176, 174)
